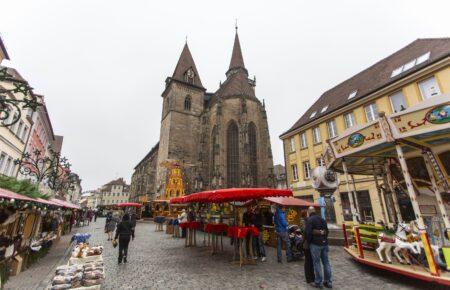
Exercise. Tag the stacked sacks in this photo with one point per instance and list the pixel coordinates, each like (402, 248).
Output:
(67, 277)
(93, 274)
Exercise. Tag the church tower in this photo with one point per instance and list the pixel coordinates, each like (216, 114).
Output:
(180, 120)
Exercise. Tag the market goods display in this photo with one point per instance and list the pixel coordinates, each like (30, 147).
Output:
(79, 277)
(84, 250)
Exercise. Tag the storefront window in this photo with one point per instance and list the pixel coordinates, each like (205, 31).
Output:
(346, 209)
(365, 206)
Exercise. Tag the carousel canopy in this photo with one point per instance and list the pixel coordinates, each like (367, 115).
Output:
(131, 204)
(232, 194)
(365, 148)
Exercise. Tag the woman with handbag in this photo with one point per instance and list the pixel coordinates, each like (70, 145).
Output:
(124, 233)
(110, 226)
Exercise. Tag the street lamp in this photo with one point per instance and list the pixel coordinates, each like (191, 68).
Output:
(9, 105)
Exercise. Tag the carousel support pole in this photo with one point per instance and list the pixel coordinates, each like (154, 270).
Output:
(359, 243)
(344, 231)
(415, 205)
(390, 184)
(356, 196)
(353, 210)
(381, 199)
(440, 203)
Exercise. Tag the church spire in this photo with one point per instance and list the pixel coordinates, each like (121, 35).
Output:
(237, 61)
(186, 71)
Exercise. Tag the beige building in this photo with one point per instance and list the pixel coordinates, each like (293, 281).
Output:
(115, 192)
(17, 125)
(417, 72)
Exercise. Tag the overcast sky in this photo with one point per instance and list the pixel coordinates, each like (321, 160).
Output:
(101, 65)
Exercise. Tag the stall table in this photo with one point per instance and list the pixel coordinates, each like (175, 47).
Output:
(214, 231)
(191, 233)
(239, 234)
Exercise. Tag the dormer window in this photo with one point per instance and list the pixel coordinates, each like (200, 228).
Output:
(312, 114)
(189, 76)
(352, 94)
(324, 109)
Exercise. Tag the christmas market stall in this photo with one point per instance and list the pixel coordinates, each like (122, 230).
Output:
(408, 156)
(219, 212)
(28, 227)
(295, 214)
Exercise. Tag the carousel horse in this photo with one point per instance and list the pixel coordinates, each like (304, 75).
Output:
(398, 241)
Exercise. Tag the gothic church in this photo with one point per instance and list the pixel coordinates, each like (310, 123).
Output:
(220, 139)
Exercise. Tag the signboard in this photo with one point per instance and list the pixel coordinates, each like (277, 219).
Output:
(429, 116)
(358, 140)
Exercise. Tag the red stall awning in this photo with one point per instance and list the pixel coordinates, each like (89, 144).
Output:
(4, 193)
(132, 204)
(232, 194)
(291, 201)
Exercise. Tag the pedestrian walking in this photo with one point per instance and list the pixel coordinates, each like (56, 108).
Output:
(247, 218)
(110, 226)
(133, 221)
(124, 233)
(317, 237)
(309, 267)
(258, 243)
(95, 215)
(282, 235)
(182, 218)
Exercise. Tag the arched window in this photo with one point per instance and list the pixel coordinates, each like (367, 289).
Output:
(189, 76)
(253, 153)
(187, 103)
(233, 175)
(214, 149)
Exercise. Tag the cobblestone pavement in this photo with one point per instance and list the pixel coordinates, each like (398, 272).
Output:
(157, 261)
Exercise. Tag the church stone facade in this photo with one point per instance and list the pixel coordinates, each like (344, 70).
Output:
(220, 139)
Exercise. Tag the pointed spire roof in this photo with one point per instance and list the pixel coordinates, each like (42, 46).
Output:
(185, 63)
(237, 61)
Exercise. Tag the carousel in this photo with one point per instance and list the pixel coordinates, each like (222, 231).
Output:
(408, 155)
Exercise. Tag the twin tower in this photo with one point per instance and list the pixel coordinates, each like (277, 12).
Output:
(220, 139)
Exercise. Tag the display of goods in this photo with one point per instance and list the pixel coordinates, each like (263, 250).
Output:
(83, 250)
(80, 238)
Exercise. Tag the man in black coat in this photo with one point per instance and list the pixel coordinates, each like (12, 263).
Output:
(124, 232)
(317, 238)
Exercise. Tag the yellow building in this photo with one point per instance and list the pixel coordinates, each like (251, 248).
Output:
(417, 72)
(16, 125)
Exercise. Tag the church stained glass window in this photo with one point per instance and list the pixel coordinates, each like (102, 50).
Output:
(233, 155)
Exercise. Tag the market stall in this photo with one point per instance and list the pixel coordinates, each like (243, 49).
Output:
(409, 153)
(218, 200)
(28, 228)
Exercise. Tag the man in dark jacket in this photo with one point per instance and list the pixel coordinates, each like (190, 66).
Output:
(317, 237)
(282, 235)
(258, 243)
(124, 232)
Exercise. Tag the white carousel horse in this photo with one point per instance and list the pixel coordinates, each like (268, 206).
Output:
(398, 242)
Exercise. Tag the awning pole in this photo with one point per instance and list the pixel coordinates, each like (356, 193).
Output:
(415, 205)
(390, 183)
(350, 198)
(440, 203)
